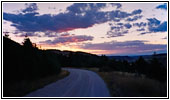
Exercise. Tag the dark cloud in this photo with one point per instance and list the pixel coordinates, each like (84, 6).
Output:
(78, 15)
(65, 34)
(30, 34)
(139, 11)
(159, 28)
(163, 6)
(144, 33)
(153, 22)
(30, 8)
(119, 23)
(50, 34)
(141, 29)
(84, 7)
(117, 4)
(141, 24)
(69, 39)
(127, 46)
(128, 26)
(116, 33)
(134, 18)
(118, 29)
(92, 7)
(155, 25)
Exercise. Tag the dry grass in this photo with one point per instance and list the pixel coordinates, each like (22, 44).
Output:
(128, 85)
(122, 84)
(24, 87)
(91, 69)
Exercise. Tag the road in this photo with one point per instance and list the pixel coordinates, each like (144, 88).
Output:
(80, 83)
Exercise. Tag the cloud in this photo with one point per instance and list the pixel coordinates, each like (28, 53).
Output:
(69, 39)
(144, 33)
(116, 33)
(125, 47)
(118, 29)
(163, 6)
(84, 7)
(141, 29)
(30, 8)
(134, 18)
(141, 24)
(78, 15)
(152, 25)
(155, 25)
(29, 34)
(162, 27)
(139, 11)
(118, 24)
(90, 7)
(117, 4)
(153, 22)
(65, 34)
(128, 26)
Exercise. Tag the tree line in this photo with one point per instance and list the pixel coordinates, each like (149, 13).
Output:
(152, 68)
(26, 62)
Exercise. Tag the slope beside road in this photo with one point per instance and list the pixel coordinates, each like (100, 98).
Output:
(80, 83)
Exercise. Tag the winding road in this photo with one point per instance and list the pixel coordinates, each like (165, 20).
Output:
(80, 83)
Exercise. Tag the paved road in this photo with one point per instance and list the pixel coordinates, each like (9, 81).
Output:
(80, 83)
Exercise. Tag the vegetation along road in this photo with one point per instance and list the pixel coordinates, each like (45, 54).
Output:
(80, 83)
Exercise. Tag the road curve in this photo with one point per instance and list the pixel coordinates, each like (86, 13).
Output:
(80, 83)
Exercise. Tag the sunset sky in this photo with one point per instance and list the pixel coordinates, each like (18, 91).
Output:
(100, 28)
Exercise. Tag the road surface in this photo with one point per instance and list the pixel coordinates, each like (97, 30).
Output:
(80, 83)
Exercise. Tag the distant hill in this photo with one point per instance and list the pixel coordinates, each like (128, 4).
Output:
(161, 57)
(66, 52)
(127, 58)
(76, 59)
(134, 58)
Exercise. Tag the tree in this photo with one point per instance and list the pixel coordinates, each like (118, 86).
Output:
(6, 34)
(157, 71)
(154, 53)
(141, 65)
(104, 63)
(126, 66)
(27, 43)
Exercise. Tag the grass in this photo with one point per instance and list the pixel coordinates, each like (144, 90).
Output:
(19, 89)
(123, 84)
(129, 85)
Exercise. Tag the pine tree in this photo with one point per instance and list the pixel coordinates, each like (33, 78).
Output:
(141, 66)
(27, 43)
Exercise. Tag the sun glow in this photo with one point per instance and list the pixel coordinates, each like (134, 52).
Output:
(73, 48)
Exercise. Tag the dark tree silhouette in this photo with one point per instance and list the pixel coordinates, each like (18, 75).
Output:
(157, 70)
(141, 66)
(6, 34)
(27, 43)
(104, 63)
(154, 53)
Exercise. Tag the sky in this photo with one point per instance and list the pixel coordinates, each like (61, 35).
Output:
(110, 28)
